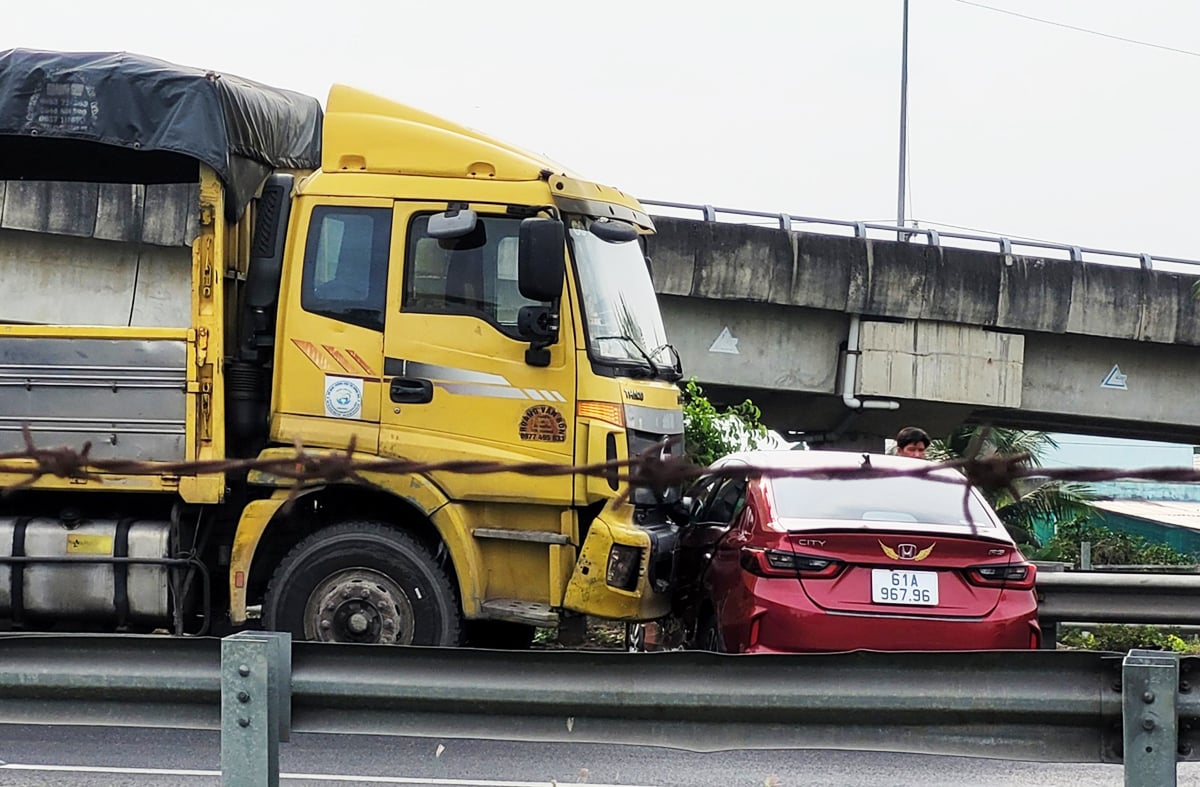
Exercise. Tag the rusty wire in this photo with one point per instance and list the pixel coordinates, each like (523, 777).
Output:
(653, 469)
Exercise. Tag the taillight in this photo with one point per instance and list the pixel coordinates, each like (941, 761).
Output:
(778, 563)
(1018, 576)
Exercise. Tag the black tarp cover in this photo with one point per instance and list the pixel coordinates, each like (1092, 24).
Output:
(242, 129)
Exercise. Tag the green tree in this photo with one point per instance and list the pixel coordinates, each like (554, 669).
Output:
(1028, 501)
(710, 432)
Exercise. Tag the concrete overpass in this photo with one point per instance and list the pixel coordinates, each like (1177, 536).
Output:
(944, 335)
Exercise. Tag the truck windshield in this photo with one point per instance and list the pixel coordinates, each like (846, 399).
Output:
(624, 324)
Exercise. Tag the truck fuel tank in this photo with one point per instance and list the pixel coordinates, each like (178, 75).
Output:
(79, 578)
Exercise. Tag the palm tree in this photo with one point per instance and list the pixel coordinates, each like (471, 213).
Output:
(1029, 501)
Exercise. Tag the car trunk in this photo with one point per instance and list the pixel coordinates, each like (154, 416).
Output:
(896, 571)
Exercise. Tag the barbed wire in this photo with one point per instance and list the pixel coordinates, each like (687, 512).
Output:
(655, 469)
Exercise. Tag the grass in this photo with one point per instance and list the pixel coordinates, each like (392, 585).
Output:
(600, 635)
(1121, 639)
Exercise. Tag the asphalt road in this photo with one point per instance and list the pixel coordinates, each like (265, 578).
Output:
(139, 757)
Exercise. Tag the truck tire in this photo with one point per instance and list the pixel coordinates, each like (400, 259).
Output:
(363, 582)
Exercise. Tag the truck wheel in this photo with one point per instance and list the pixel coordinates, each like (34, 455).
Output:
(363, 582)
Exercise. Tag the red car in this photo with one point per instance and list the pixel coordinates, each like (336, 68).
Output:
(770, 565)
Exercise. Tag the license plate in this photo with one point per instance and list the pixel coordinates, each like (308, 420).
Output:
(914, 588)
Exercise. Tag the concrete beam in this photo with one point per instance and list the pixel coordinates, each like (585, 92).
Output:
(720, 261)
(756, 345)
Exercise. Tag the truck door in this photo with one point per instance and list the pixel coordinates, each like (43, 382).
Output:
(330, 353)
(456, 384)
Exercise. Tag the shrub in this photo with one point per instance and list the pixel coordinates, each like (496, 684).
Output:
(710, 433)
(1121, 639)
(1108, 547)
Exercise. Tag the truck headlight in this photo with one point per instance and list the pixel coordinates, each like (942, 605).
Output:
(623, 564)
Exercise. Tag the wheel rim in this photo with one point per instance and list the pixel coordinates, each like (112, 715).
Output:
(359, 605)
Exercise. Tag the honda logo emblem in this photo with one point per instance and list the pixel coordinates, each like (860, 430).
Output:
(907, 551)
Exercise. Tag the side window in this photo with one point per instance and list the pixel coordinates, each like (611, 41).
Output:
(728, 501)
(700, 494)
(345, 264)
(475, 275)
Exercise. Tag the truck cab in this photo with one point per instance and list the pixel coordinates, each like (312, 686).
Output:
(450, 314)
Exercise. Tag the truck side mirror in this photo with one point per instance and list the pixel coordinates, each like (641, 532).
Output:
(535, 323)
(613, 231)
(540, 265)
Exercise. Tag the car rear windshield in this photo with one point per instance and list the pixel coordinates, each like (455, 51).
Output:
(879, 499)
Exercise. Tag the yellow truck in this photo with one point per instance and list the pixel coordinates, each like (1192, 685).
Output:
(198, 267)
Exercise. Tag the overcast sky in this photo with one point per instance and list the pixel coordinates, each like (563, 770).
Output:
(1015, 126)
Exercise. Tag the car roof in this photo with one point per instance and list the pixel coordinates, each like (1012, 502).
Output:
(814, 460)
(801, 460)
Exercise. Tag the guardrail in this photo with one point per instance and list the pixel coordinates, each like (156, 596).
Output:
(861, 229)
(1107, 597)
(257, 687)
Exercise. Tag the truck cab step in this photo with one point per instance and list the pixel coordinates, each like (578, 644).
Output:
(516, 611)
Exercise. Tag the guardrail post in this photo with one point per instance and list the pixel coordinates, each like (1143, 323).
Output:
(279, 692)
(255, 690)
(1149, 686)
(1049, 634)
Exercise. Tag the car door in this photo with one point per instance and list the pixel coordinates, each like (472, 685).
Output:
(694, 549)
(723, 510)
(723, 578)
(456, 381)
(702, 542)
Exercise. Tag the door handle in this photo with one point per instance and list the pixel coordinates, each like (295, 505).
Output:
(411, 390)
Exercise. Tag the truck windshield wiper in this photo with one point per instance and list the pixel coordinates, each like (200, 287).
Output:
(677, 365)
(652, 368)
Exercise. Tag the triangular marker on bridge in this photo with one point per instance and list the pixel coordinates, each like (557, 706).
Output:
(725, 342)
(1114, 379)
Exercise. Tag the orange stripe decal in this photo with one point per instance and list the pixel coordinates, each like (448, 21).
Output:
(366, 367)
(337, 356)
(315, 355)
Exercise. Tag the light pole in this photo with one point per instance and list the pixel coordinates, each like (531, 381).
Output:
(903, 119)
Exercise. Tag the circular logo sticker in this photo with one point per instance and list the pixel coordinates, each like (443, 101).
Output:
(343, 398)
(543, 424)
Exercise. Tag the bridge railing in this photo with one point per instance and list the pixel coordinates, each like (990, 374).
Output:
(257, 688)
(862, 229)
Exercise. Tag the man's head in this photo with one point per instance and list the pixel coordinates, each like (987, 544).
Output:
(912, 441)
